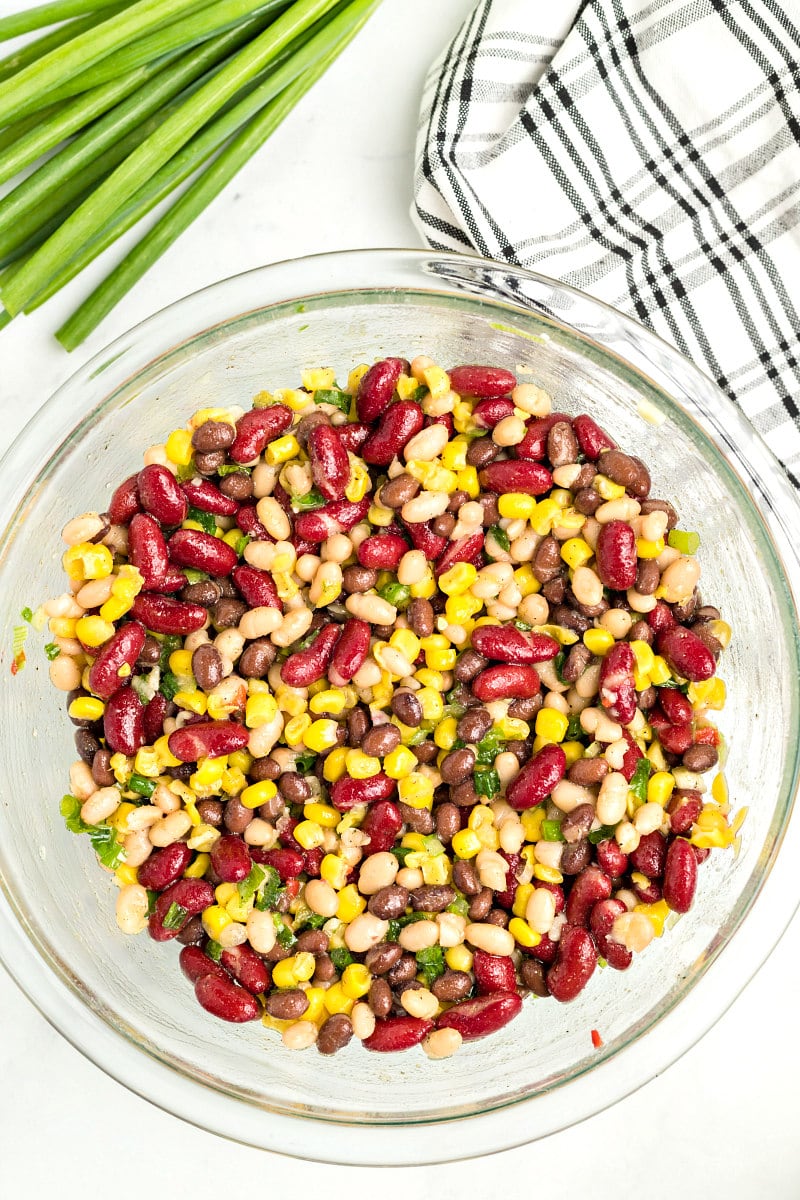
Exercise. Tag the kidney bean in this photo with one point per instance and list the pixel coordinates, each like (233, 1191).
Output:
(173, 580)
(601, 921)
(506, 681)
(226, 1000)
(617, 686)
(160, 494)
(205, 496)
(591, 886)
(120, 651)
(162, 614)
(465, 549)
(287, 862)
(537, 778)
(248, 522)
(481, 1016)
(611, 859)
(207, 739)
(482, 382)
(155, 712)
(382, 552)
(675, 706)
(488, 413)
(352, 435)
(675, 739)
(650, 855)
(125, 501)
(348, 793)
(147, 549)
(534, 445)
(686, 654)
(257, 587)
(192, 895)
(516, 475)
(382, 825)
(230, 858)
(660, 618)
(337, 517)
(545, 952)
(423, 538)
(305, 667)
(493, 973)
(507, 644)
(330, 466)
(397, 1033)
(591, 438)
(247, 968)
(123, 724)
(163, 867)
(632, 756)
(396, 426)
(195, 964)
(376, 389)
(616, 555)
(684, 809)
(257, 427)
(202, 551)
(576, 959)
(680, 876)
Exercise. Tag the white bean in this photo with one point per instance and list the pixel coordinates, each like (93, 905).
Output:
(364, 932)
(427, 444)
(490, 938)
(131, 908)
(378, 871)
(419, 936)
(261, 931)
(101, 805)
(425, 506)
(273, 518)
(612, 800)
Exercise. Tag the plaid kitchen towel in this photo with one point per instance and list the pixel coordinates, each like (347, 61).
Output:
(645, 151)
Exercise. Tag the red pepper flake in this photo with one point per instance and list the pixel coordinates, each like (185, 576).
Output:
(597, 1041)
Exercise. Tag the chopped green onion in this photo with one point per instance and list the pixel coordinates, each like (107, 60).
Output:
(52, 651)
(193, 575)
(499, 535)
(175, 916)
(141, 785)
(169, 686)
(398, 594)
(602, 834)
(638, 783)
(684, 541)
(487, 782)
(341, 958)
(431, 963)
(523, 625)
(269, 888)
(304, 762)
(248, 887)
(283, 933)
(27, 615)
(232, 469)
(312, 499)
(551, 831)
(334, 396)
(214, 951)
(206, 520)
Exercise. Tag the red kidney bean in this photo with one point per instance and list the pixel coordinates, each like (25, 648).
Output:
(650, 855)
(396, 427)
(649, 893)
(686, 654)
(463, 550)
(493, 973)
(674, 705)
(701, 853)
(205, 496)
(684, 809)
(516, 475)
(120, 651)
(352, 436)
(147, 549)
(163, 867)
(312, 862)
(351, 649)
(160, 495)
(172, 580)
(246, 968)
(305, 667)
(588, 888)
(488, 413)
(123, 722)
(376, 389)
(207, 739)
(680, 876)
(482, 1015)
(257, 587)
(382, 824)
(660, 618)
(248, 522)
(162, 614)
(338, 517)
(611, 859)
(507, 644)
(202, 551)
(445, 419)
(482, 382)
(230, 858)
(287, 862)
(617, 686)
(676, 739)
(257, 427)
(616, 555)
(506, 897)
(330, 466)
(591, 438)
(382, 552)
(631, 758)
(601, 921)
(155, 712)
(576, 959)
(506, 682)
(226, 1000)
(195, 964)
(397, 1033)
(125, 502)
(534, 445)
(348, 793)
(537, 778)
(192, 895)
(545, 952)
(423, 538)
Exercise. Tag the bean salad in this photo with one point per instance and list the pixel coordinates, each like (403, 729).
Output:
(394, 705)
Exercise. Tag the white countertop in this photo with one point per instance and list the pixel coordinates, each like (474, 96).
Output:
(722, 1121)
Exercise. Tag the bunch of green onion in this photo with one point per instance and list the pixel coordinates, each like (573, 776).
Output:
(123, 102)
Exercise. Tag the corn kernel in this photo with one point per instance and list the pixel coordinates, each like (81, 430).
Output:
(316, 378)
(522, 933)
(93, 631)
(646, 549)
(572, 752)
(437, 380)
(195, 701)
(118, 819)
(576, 552)
(425, 588)
(458, 958)
(656, 913)
(517, 506)
(399, 763)
(88, 561)
(660, 787)
(607, 488)
(532, 819)
(547, 874)
(215, 919)
(468, 482)
(444, 735)
(282, 450)
(179, 447)
(309, 834)
(466, 843)
(437, 870)
(659, 672)
(337, 1001)
(526, 581)
(454, 455)
(198, 868)
(429, 678)
(260, 710)
(362, 766)
(551, 725)
(165, 756)
(295, 730)
(125, 875)
(65, 627)
(458, 579)
(258, 793)
(407, 642)
(316, 1004)
(356, 980)
(544, 515)
(283, 975)
(416, 790)
(432, 705)
(359, 483)
(521, 898)
(334, 870)
(86, 708)
(599, 641)
(351, 903)
(378, 515)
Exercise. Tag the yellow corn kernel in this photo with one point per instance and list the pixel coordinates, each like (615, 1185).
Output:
(210, 770)
(314, 378)
(480, 816)
(413, 841)
(118, 819)
(436, 870)
(407, 642)
(643, 655)
(655, 755)
(458, 579)
(355, 377)
(180, 662)
(316, 1004)
(572, 751)
(164, 755)
(260, 710)
(659, 672)
(283, 975)
(466, 843)
(521, 898)
(240, 760)
(425, 588)
(304, 966)
(195, 701)
(65, 627)
(125, 875)
(656, 913)
(295, 730)
(544, 515)
(198, 868)
(324, 815)
(86, 708)
(547, 874)
(333, 870)
(93, 631)
(441, 660)
(719, 789)
(192, 813)
(659, 788)
(551, 725)
(362, 766)
(215, 919)
(218, 414)
(282, 450)
(309, 834)
(189, 524)
(432, 704)
(599, 641)
(290, 702)
(258, 793)
(382, 695)
(458, 958)
(647, 549)
(522, 933)
(560, 633)
(712, 693)
(513, 728)
(399, 763)
(437, 380)
(607, 488)
(526, 581)
(721, 630)
(233, 781)
(121, 766)
(444, 735)
(429, 678)
(179, 447)
(462, 416)
(88, 561)
(378, 515)
(454, 455)
(468, 482)
(224, 892)
(356, 980)
(459, 609)
(406, 387)
(337, 1001)
(334, 766)
(351, 903)
(516, 505)
(576, 552)
(416, 790)
(239, 909)
(532, 820)
(359, 482)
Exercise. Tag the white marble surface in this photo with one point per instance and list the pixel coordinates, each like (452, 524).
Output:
(722, 1121)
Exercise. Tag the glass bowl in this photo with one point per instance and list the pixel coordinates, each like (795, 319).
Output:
(122, 1001)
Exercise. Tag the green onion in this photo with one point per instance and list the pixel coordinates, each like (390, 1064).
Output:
(684, 541)
(52, 651)
(638, 783)
(49, 14)
(397, 594)
(232, 469)
(268, 889)
(551, 831)
(334, 396)
(487, 782)
(602, 834)
(312, 499)
(141, 785)
(206, 520)
(175, 916)
(341, 958)
(257, 878)
(431, 963)
(214, 951)
(499, 535)
(282, 932)
(169, 685)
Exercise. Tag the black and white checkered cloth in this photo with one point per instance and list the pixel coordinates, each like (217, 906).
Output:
(645, 151)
